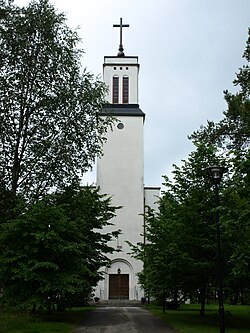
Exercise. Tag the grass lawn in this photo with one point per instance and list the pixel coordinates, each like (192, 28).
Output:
(187, 319)
(60, 322)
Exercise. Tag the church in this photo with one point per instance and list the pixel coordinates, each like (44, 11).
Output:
(120, 174)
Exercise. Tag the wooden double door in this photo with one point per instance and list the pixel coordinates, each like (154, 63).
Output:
(118, 286)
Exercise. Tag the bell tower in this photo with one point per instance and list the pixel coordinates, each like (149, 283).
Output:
(120, 74)
(120, 173)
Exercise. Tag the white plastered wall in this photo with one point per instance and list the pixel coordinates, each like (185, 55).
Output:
(120, 175)
(127, 66)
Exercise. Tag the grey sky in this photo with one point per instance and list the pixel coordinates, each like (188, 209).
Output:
(189, 52)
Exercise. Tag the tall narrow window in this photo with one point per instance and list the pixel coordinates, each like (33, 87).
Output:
(125, 82)
(115, 89)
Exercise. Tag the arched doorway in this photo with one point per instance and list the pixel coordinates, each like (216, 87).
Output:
(119, 280)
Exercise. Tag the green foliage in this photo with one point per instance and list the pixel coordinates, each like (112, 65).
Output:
(51, 245)
(52, 253)
(49, 131)
(180, 253)
(232, 137)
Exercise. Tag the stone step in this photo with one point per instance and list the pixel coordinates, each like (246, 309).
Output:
(116, 303)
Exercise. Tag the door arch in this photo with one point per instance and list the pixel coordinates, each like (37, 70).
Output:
(120, 277)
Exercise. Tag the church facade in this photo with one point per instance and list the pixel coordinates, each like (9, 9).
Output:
(120, 174)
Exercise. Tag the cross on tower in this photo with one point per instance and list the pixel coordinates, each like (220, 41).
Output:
(121, 53)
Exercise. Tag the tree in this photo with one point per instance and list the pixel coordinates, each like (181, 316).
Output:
(49, 130)
(53, 253)
(231, 135)
(180, 252)
(195, 216)
(164, 260)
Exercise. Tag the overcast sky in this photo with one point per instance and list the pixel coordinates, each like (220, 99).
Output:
(189, 52)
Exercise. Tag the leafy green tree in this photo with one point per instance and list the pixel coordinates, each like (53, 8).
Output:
(195, 224)
(164, 260)
(53, 253)
(231, 135)
(180, 252)
(49, 130)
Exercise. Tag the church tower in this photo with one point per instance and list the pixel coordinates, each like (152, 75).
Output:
(120, 173)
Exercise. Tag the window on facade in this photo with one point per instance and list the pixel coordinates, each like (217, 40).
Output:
(115, 89)
(125, 87)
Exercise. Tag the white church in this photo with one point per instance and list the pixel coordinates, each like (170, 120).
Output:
(120, 174)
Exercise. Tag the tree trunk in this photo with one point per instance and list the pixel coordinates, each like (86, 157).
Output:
(235, 298)
(49, 307)
(203, 299)
(175, 303)
(33, 308)
(164, 301)
(242, 298)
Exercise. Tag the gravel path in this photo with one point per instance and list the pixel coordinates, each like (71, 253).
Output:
(121, 320)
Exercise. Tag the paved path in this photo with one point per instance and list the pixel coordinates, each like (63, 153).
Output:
(121, 320)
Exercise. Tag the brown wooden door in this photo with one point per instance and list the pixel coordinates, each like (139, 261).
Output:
(118, 286)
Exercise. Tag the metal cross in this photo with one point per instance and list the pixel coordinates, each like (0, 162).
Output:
(121, 53)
